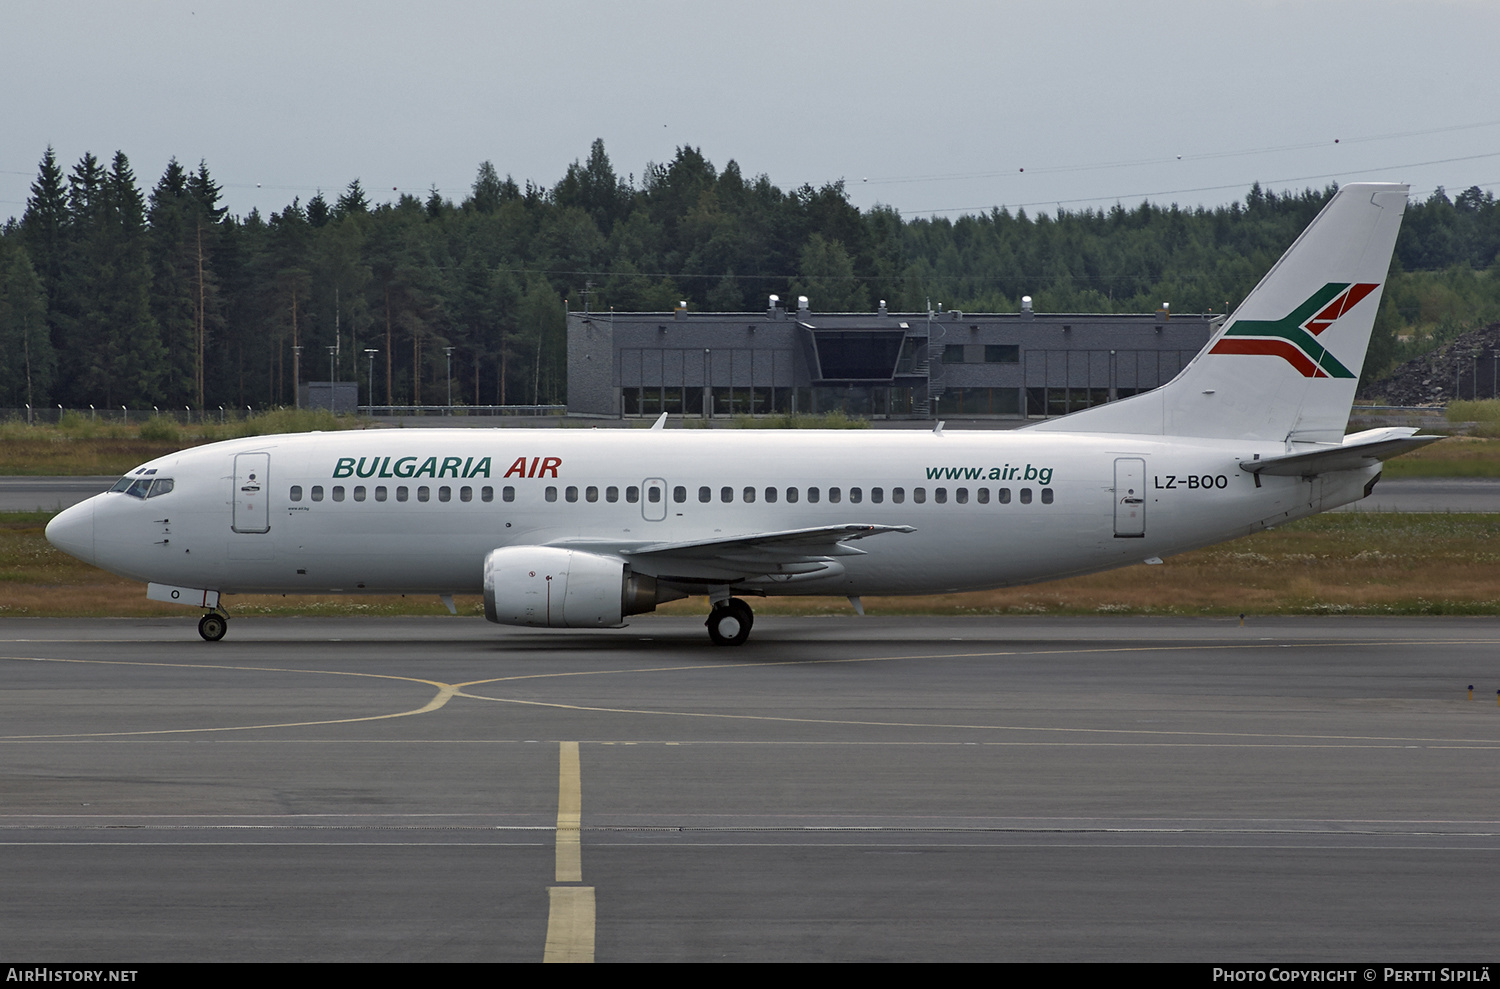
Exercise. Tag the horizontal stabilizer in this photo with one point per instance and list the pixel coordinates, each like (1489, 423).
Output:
(1358, 450)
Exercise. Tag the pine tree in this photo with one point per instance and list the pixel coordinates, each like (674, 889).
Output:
(26, 374)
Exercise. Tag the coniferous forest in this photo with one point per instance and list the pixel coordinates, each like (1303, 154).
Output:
(113, 296)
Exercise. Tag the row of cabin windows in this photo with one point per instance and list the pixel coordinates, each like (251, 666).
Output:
(855, 496)
(403, 493)
(726, 494)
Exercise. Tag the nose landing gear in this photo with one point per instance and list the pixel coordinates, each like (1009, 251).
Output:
(729, 622)
(212, 626)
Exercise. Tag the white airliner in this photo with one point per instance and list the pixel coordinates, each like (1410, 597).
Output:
(581, 528)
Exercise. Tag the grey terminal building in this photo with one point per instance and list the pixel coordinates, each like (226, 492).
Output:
(877, 365)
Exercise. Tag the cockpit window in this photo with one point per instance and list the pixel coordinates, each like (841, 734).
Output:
(143, 487)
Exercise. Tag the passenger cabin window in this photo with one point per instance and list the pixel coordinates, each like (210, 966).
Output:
(705, 494)
(726, 494)
(380, 493)
(424, 493)
(359, 492)
(317, 492)
(1003, 496)
(571, 493)
(551, 494)
(465, 493)
(1025, 496)
(508, 493)
(983, 496)
(1046, 496)
(445, 493)
(486, 493)
(338, 492)
(611, 494)
(633, 494)
(856, 496)
(590, 493)
(748, 495)
(679, 494)
(296, 492)
(402, 493)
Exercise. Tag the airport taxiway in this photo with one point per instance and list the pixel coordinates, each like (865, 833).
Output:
(838, 789)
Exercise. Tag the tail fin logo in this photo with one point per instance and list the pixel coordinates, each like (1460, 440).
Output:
(1293, 338)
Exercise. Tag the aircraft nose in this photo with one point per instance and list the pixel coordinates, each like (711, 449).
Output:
(72, 531)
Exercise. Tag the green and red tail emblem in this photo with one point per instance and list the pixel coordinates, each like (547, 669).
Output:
(1293, 337)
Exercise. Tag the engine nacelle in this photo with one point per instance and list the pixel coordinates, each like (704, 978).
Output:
(547, 587)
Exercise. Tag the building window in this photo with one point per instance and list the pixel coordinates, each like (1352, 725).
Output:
(953, 353)
(1002, 353)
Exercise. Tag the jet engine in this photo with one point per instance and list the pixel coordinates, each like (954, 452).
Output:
(547, 587)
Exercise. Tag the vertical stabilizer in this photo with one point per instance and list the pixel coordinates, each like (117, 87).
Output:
(1285, 365)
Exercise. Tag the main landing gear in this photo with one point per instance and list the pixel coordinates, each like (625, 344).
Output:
(212, 626)
(729, 622)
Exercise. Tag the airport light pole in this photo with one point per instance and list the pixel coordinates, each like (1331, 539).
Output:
(297, 374)
(449, 352)
(371, 377)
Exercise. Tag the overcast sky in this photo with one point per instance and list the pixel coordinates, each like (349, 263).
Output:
(928, 107)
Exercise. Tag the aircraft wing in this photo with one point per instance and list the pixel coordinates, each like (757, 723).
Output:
(785, 554)
(1358, 450)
